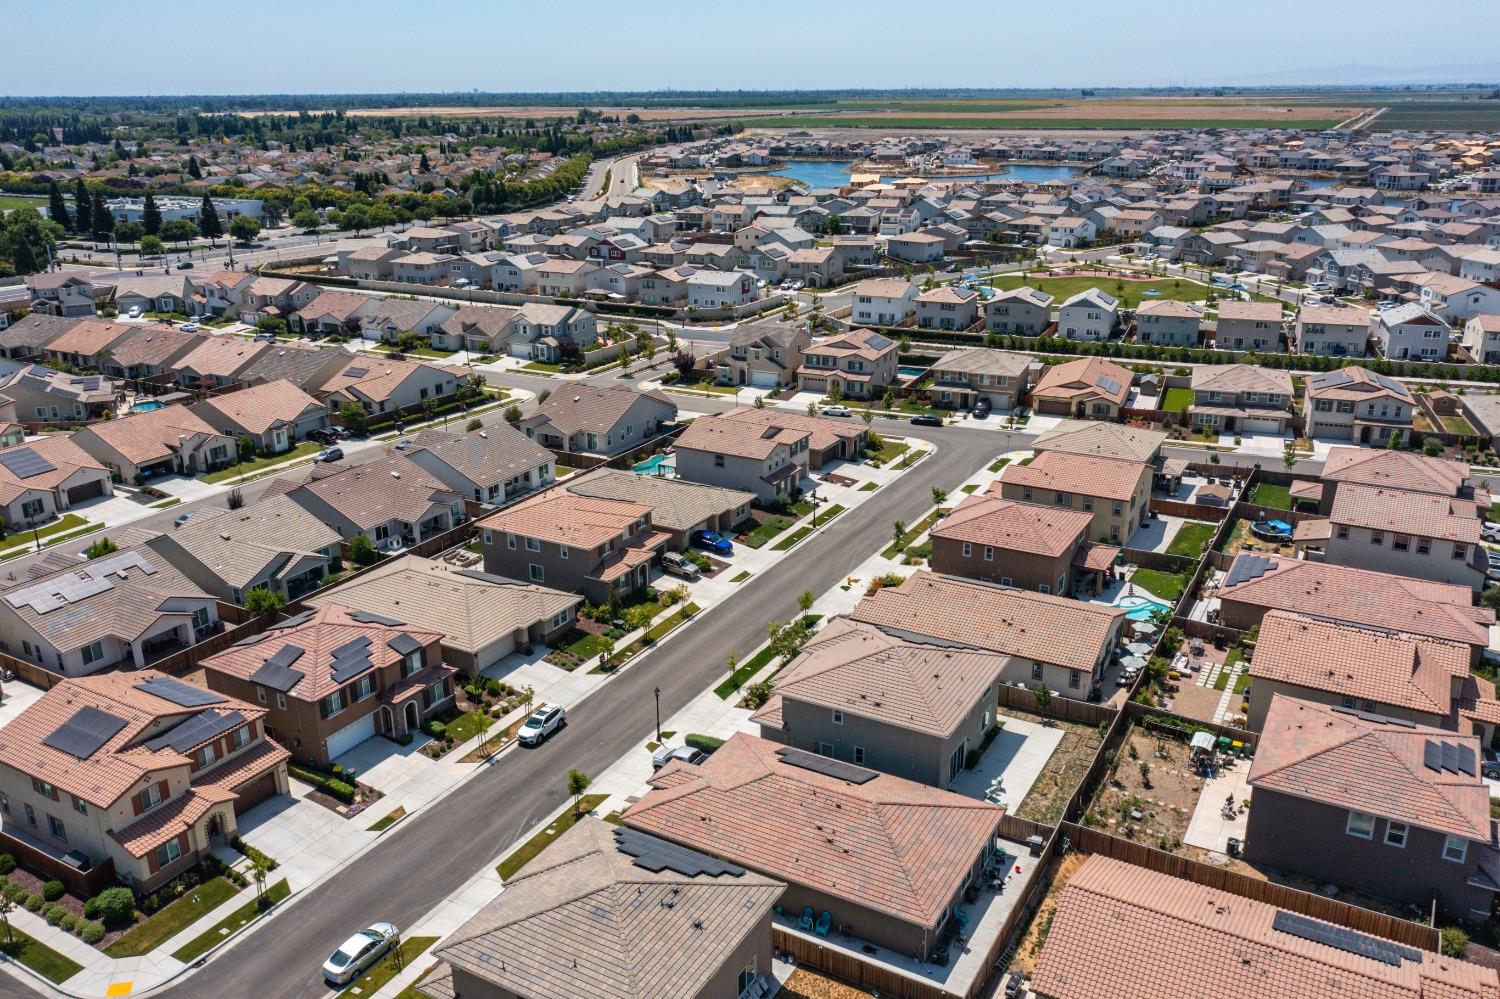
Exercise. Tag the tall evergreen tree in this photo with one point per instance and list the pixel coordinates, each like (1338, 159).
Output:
(103, 221)
(57, 207)
(208, 219)
(150, 216)
(193, 169)
(25, 258)
(80, 200)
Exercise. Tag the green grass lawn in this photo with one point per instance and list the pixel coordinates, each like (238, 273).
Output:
(766, 531)
(1190, 540)
(428, 351)
(912, 533)
(869, 487)
(742, 673)
(302, 450)
(389, 967)
(172, 919)
(889, 451)
(62, 525)
(1176, 399)
(1166, 585)
(582, 644)
(1457, 425)
(1242, 683)
(465, 726)
(230, 924)
(9, 201)
(998, 464)
(741, 576)
(1063, 288)
(536, 844)
(970, 489)
(56, 968)
(545, 367)
(791, 539)
(1271, 495)
(388, 821)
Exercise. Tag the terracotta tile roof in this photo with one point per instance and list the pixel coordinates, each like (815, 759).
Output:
(1427, 515)
(90, 336)
(330, 627)
(258, 409)
(1399, 469)
(66, 458)
(964, 613)
(1333, 315)
(1124, 930)
(167, 822)
(221, 356)
(1355, 383)
(1012, 526)
(738, 437)
(867, 344)
(1087, 377)
(888, 844)
(376, 379)
(584, 919)
(1084, 475)
(1365, 763)
(143, 438)
(1261, 312)
(861, 670)
(564, 518)
(825, 432)
(1364, 597)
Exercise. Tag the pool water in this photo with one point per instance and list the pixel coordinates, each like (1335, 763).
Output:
(1141, 608)
(910, 372)
(824, 173)
(657, 464)
(147, 406)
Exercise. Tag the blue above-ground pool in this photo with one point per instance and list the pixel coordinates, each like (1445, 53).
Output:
(1272, 530)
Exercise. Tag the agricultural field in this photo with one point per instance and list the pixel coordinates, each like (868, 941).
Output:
(1162, 112)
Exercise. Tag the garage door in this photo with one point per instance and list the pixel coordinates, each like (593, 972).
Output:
(763, 379)
(253, 792)
(1261, 425)
(350, 736)
(496, 651)
(86, 491)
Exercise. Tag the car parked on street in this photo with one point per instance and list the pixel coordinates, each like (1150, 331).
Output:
(355, 955)
(330, 454)
(925, 420)
(713, 541)
(837, 411)
(1490, 768)
(543, 722)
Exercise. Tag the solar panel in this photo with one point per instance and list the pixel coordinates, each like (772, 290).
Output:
(351, 659)
(197, 730)
(277, 673)
(1464, 759)
(828, 768)
(404, 645)
(83, 733)
(23, 462)
(1109, 385)
(252, 640)
(356, 372)
(655, 854)
(1247, 568)
(1432, 756)
(1346, 940)
(294, 620)
(1371, 716)
(877, 341)
(351, 647)
(370, 617)
(184, 694)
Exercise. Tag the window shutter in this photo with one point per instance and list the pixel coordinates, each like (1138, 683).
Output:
(151, 863)
(161, 786)
(136, 803)
(182, 842)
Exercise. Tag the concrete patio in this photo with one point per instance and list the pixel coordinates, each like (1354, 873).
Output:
(1208, 829)
(1017, 756)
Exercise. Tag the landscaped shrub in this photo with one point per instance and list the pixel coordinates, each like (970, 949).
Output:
(705, 744)
(7, 864)
(54, 890)
(436, 729)
(340, 790)
(34, 902)
(55, 914)
(13, 892)
(91, 908)
(69, 922)
(115, 906)
(91, 931)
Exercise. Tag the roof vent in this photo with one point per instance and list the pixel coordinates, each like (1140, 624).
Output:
(485, 434)
(395, 474)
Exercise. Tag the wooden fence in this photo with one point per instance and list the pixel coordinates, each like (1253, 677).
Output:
(1140, 713)
(1317, 906)
(856, 971)
(1064, 708)
(1160, 561)
(1192, 511)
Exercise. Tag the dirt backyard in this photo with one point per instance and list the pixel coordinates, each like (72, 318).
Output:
(1152, 794)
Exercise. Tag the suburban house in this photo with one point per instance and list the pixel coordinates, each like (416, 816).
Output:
(391, 317)
(767, 460)
(920, 247)
(904, 708)
(1166, 322)
(678, 507)
(61, 293)
(1114, 491)
(168, 293)
(860, 364)
(1069, 231)
(602, 548)
(1421, 833)
(1024, 311)
(27, 338)
(888, 858)
(393, 501)
(139, 773)
(88, 343)
(490, 465)
(42, 395)
(478, 329)
(948, 307)
(1117, 923)
(708, 289)
(563, 278)
(603, 420)
(172, 440)
(217, 361)
(1481, 338)
(330, 678)
(483, 618)
(305, 365)
(43, 479)
(150, 352)
(1356, 404)
(1030, 546)
(1064, 644)
(550, 333)
(832, 439)
(273, 544)
(1423, 680)
(883, 302)
(381, 385)
(1241, 399)
(961, 378)
(130, 607)
(275, 415)
(1089, 315)
(571, 922)
(1088, 387)
(1405, 470)
(1423, 535)
(1332, 330)
(1409, 332)
(1249, 326)
(332, 313)
(766, 354)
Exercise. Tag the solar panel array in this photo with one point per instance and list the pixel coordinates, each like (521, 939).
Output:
(878, 341)
(184, 694)
(655, 854)
(72, 587)
(828, 768)
(294, 620)
(351, 659)
(1109, 385)
(370, 617)
(1454, 757)
(277, 673)
(23, 462)
(83, 733)
(1247, 568)
(197, 730)
(404, 645)
(356, 372)
(1346, 940)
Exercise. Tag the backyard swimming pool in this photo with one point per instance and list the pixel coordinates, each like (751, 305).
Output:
(147, 406)
(657, 464)
(1141, 608)
(910, 372)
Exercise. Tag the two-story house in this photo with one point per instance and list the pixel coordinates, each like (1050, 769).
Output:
(1116, 492)
(882, 302)
(1332, 330)
(1031, 546)
(1408, 533)
(948, 307)
(1166, 322)
(1356, 404)
(1481, 339)
(861, 364)
(1024, 311)
(767, 354)
(1089, 315)
(1089, 387)
(1249, 326)
(1241, 399)
(765, 459)
(601, 420)
(960, 378)
(1409, 332)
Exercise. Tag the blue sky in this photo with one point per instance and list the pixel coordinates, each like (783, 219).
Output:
(274, 46)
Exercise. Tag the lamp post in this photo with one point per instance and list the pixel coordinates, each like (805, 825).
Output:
(658, 714)
(815, 506)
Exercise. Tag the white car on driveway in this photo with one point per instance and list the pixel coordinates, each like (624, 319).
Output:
(355, 955)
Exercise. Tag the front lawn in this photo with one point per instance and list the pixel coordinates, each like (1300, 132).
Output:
(172, 919)
(1270, 495)
(62, 525)
(912, 533)
(230, 924)
(546, 367)
(889, 450)
(998, 464)
(37, 956)
(1176, 400)
(1166, 585)
(757, 537)
(464, 727)
(536, 844)
(574, 648)
(303, 450)
(1191, 539)
(389, 967)
(425, 351)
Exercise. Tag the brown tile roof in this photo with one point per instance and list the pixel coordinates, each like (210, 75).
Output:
(1241, 378)
(888, 844)
(66, 458)
(1333, 315)
(221, 356)
(1012, 526)
(1381, 508)
(390, 488)
(597, 408)
(825, 432)
(861, 670)
(330, 627)
(1261, 312)
(1111, 478)
(737, 437)
(965, 613)
(258, 409)
(376, 378)
(1399, 469)
(867, 344)
(167, 822)
(156, 345)
(1363, 597)
(584, 919)
(565, 518)
(676, 504)
(1125, 930)
(1103, 440)
(142, 438)
(89, 337)
(240, 546)
(1357, 384)
(1087, 377)
(1369, 764)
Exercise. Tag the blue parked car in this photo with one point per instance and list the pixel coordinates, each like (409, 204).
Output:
(713, 541)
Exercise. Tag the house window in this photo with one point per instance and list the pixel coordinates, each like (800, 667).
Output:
(989, 554)
(718, 461)
(240, 738)
(1400, 543)
(30, 817)
(533, 545)
(859, 754)
(1395, 834)
(1460, 551)
(79, 805)
(56, 828)
(1036, 671)
(1455, 848)
(488, 537)
(1116, 509)
(200, 618)
(1424, 546)
(411, 664)
(281, 701)
(43, 788)
(538, 574)
(562, 551)
(1377, 537)
(510, 542)
(825, 749)
(838, 717)
(1006, 581)
(364, 687)
(93, 653)
(168, 852)
(1088, 505)
(260, 694)
(747, 979)
(1360, 824)
(1343, 532)
(968, 550)
(1074, 679)
(206, 756)
(333, 704)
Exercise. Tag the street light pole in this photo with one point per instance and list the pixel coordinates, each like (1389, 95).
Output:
(658, 714)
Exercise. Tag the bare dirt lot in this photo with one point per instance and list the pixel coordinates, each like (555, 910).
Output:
(1152, 807)
(805, 984)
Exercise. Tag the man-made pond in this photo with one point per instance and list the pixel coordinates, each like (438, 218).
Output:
(831, 173)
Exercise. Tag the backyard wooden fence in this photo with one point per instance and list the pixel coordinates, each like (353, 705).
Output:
(1192, 511)
(1065, 708)
(1140, 713)
(855, 970)
(1316, 906)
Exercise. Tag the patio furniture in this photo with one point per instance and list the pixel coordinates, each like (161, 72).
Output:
(805, 923)
(824, 922)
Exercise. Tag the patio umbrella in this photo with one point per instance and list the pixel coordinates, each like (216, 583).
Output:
(1143, 627)
(1138, 649)
(1133, 662)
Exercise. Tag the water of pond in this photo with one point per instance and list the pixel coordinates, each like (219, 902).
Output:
(834, 173)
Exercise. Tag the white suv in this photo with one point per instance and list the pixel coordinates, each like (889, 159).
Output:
(543, 722)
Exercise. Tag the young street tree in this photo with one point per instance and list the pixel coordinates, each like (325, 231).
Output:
(578, 782)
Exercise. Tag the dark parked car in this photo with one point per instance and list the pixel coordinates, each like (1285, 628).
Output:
(186, 265)
(713, 541)
(321, 436)
(926, 421)
(1491, 765)
(981, 409)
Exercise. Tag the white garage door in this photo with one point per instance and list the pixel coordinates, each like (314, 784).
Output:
(763, 379)
(350, 736)
(1253, 425)
(496, 651)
